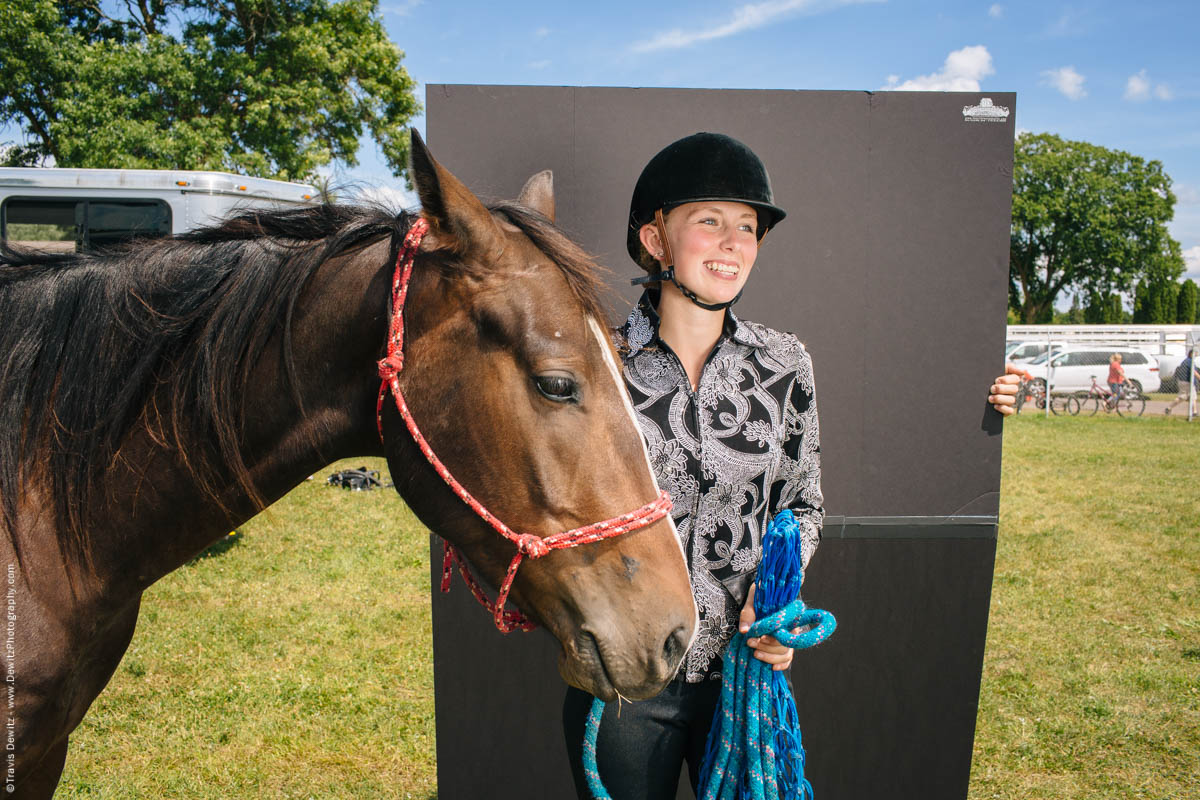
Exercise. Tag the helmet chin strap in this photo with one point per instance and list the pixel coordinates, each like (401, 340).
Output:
(668, 274)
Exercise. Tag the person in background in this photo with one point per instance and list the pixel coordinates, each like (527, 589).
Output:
(1186, 388)
(1116, 378)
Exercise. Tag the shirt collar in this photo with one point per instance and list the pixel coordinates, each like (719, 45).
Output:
(641, 328)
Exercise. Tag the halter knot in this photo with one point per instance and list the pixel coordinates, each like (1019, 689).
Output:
(390, 367)
(532, 546)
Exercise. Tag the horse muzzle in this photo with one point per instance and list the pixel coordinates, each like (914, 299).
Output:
(611, 663)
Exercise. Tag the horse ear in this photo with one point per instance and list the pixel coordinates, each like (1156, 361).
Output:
(538, 194)
(456, 217)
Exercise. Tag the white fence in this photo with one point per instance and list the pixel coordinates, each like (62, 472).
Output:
(1164, 339)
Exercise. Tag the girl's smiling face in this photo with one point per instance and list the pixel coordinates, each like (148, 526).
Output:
(714, 244)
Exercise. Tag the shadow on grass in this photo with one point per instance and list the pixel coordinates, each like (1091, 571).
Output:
(219, 547)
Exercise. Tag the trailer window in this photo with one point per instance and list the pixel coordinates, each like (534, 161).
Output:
(80, 225)
(42, 224)
(112, 221)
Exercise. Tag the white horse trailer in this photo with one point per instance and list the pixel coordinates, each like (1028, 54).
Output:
(82, 209)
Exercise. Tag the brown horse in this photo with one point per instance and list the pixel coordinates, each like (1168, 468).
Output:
(154, 397)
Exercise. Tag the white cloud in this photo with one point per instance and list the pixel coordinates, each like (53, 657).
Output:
(1137, 87)
(542, 32)
(1065, 80)
(996, 11)
(545, 62)
(1191, 260)
(394, 198)
(961, 72)
(401, 8)
(744, 18)
(1068, 24)
(1186, 194)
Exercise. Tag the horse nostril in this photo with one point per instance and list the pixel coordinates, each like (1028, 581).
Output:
(674, 647)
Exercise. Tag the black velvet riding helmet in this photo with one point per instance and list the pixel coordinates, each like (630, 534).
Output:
(703, 166)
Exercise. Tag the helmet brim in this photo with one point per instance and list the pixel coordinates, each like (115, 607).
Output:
(768, 217)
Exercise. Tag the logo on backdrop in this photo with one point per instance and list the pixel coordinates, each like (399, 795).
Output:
(985, 112)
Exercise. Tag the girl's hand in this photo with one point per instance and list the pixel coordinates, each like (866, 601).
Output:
(1004, 390)
(766, 648)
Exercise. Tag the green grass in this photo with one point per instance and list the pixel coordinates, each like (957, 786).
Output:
(293, 660)
(296, 661)
(1091, 684)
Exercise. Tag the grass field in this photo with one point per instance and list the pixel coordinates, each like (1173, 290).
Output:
(294, 660)
(1091, 685)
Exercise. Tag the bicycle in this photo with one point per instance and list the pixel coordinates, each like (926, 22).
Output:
(1031, 390)
(1130, 403)
(1034, 390)
(1065, 404)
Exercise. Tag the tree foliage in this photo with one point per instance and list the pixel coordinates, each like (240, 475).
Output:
(1155, 301)
(273, 88)
(1187, 309)
(1104, 309)
(1086, 218)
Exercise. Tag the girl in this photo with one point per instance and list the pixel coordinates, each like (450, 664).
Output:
(1116, 379)
(728, 411)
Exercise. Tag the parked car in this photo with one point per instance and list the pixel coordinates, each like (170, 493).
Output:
(1017, 352)
(1167, 362)
(1072, 367)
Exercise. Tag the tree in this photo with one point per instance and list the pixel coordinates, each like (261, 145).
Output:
(1104, 309)
(1154, 302)
(1163, 302)
(1087, 218)
(1072, 316)
(1075, 314)
(272, 88)
(1187, 309)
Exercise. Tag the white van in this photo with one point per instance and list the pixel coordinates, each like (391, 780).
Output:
(82, 209)
(1072, 368)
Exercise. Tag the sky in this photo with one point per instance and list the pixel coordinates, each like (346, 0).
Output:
(1121, 75)
(1118, 74)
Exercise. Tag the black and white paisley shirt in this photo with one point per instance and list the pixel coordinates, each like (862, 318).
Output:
(739, 449)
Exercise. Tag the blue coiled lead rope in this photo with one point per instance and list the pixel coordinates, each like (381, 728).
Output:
(754, 747)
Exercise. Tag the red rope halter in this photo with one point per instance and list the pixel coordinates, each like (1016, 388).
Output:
(528, 544)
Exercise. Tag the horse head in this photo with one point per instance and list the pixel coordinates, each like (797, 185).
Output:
(534, 421)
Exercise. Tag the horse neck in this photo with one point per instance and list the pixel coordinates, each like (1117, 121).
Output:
(326, 411)
(293, 426)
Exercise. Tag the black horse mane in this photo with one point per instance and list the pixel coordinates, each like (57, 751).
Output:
(89, 338)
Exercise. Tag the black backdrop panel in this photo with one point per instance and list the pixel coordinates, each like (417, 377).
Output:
(887, 705)
(891, 267)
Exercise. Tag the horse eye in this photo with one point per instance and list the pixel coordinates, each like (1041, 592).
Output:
(559, 388)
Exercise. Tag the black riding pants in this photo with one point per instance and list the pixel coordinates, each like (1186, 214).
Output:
(641, 750)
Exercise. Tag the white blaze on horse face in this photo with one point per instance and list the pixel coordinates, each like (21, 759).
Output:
(615, 371)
